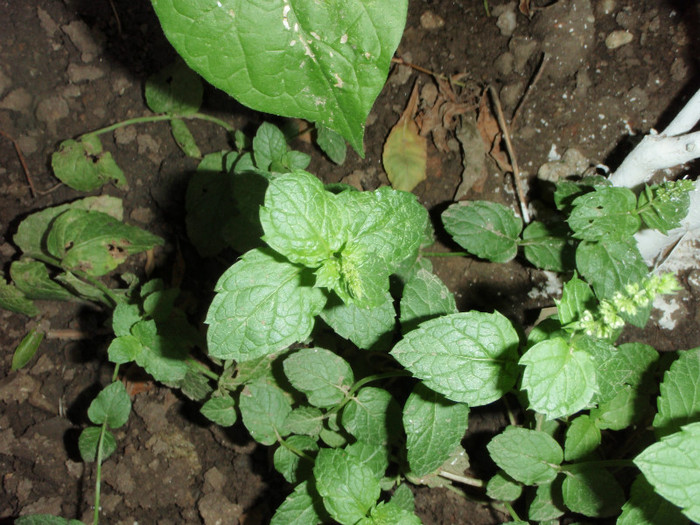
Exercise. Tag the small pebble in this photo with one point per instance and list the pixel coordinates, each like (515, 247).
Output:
(124, 135)
(430, 21)
(47, 23)
(52, 109)
(618, 38)
(78, 73)
(504, 64)
(506, 23)
(17, 100)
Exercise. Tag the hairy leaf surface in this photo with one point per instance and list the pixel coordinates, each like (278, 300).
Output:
(434, 428)
(529, 456)
(468, 357)
(262, 306)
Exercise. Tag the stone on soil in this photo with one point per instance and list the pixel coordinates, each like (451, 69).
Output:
(81, 36)
(567, 32)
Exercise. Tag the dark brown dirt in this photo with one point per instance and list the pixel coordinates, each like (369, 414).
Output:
(72, 66)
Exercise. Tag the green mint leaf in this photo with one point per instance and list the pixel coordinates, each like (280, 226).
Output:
(323, 62)
(161, 353)
(547, 502)
(89, 441)
(646, 507)
(592, 491)
(32, 230)
(388, 223)
(333, 438)
(32, 279)
(220, 410)
(582, 438)
(323, 376)
(195, 386)
(304, 420)
(501, 487)
(389, 513)
(124, 349)
(363, 277)
(372, 455)
(300, 507)
(529, 456)
(84, 290)
(606, 213)
(26, 349)
(403, 497)
(85, 166)
(269, 146)
(175, 89)
(11, 298)
(95, 242)
(370, 415)
(559, 379)
(576, 298)
(184, 138)
(550, 328)
(160, 305)
(548, 247)
(209, 205)
(672, 466)
(264, 407)
(261, 307)
(243, 230)
(662, 209)
(292, 467)
(295, 160)
(434, 428)
(487, 229)
(302, 220)
(424, 297)
(368, 328)
(609, 265)
(349, 489)
(679, 402)
(112, 406)
(331, 143)
(468, 357)
(623, 410)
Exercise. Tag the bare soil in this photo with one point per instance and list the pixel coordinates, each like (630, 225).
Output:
(71, 66)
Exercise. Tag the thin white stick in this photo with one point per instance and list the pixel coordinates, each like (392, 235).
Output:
(656, 152)
(686, 118)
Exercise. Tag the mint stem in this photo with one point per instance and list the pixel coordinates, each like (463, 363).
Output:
(160, 118)
(465, 480)
(98, 472)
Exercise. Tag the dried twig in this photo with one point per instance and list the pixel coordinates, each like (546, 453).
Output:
(116, 17)
(536, 78)
(18, 150)
(511, 153)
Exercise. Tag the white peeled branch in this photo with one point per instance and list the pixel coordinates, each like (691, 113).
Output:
(657, 151)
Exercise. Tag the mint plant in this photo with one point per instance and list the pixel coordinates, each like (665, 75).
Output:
(331, 339)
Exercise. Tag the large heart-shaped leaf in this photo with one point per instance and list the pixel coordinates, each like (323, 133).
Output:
(321, 61)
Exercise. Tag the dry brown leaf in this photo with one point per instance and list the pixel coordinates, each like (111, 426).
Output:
(525, 8)
(491, 133)
(405, 151)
